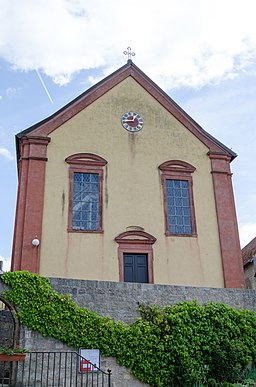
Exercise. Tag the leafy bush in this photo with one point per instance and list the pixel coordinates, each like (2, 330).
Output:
(249, 377)
(182, 345)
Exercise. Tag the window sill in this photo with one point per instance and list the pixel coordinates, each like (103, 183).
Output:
(85, 231)
(168, 234)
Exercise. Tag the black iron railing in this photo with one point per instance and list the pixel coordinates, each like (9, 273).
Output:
(52, 369)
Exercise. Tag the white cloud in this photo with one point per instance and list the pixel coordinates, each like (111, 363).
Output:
(6, 263)
(176, 42)
(11, 92)
(6, 153)
(247, 232)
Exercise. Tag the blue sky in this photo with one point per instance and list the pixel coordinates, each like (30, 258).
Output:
(202, 53)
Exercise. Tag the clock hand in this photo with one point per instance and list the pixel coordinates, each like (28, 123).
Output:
(128, 119)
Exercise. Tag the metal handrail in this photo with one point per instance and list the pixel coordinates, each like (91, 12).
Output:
(54, 368)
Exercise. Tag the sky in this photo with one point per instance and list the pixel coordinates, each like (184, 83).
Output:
(202, 53)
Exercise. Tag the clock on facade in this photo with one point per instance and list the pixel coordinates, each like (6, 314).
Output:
(132, 122)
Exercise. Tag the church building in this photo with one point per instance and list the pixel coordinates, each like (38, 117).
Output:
(122, 185)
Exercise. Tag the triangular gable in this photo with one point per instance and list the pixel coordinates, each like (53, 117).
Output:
(48, 125)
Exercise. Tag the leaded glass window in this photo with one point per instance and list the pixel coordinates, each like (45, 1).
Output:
(85, 210)
(178, 201)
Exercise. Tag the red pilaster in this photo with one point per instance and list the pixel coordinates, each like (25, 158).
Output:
(29, 211)
(227, 221)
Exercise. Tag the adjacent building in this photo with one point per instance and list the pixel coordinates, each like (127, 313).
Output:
(249, 261)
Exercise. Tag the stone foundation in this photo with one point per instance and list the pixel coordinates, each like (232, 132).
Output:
(120, 301)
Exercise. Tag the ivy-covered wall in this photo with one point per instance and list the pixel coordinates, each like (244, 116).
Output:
(120, 302)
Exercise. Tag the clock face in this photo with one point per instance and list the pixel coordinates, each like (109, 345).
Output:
(132, 122)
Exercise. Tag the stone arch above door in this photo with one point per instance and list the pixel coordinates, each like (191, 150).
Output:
(9, 337)
(9, 333)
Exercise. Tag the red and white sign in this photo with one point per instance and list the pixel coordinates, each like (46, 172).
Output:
(89, 360)
(85, 366)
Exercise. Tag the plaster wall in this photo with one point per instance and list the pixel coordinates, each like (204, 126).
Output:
(133, 194)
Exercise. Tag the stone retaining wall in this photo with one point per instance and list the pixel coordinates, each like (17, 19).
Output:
(120, 301)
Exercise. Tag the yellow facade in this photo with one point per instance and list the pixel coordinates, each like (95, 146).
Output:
(132, 193)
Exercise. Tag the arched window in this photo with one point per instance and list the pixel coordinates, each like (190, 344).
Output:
(178, 198)
(85, 192)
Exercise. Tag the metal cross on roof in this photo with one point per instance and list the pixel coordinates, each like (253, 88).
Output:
(129, 53)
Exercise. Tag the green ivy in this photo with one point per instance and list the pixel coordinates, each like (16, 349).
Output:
(180, 345)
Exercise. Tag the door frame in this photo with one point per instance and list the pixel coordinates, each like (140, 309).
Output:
(136, 242)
